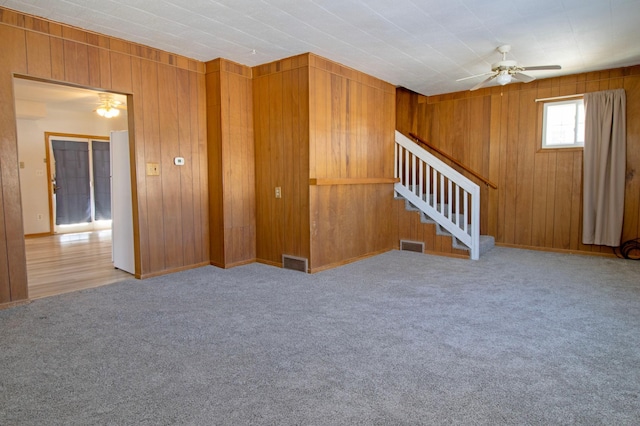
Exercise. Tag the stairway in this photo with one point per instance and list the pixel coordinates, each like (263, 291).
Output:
(441, 194)
(487, 242)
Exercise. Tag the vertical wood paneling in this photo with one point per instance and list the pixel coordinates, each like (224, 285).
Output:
(352, 137)
(42, 49)
(136, 106)
(495, 147)
(201, 133)
(263, 170)
(169, 172)
(76, 62)
(540, 178)
(525, 168)
(120, 72)
(185, 150)
(632, 203)
(277, 168)
(38, 55)
(198, 117)
(57, 59)
(281, 105)
(321, 121)
(538, 202)
(14, 274)
(93, 59)
(551, 199)
(232, 163)
(105, 69)
(511, 179)
(241, 183)
(153, 154)
(214, 153)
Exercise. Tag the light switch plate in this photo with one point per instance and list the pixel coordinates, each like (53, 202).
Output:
(153, 169)
(178, 161)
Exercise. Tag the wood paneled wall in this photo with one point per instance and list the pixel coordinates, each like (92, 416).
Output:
(167, 110)
(497, 131)
(231, 163)
(324, 135)
(352, 121)
(281, 122)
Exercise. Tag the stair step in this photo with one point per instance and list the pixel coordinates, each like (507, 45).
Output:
(486, 243)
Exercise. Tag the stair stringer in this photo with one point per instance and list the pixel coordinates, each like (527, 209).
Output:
(413, 225)
(487, 242)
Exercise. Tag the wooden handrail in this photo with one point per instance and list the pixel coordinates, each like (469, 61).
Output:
(453, 160)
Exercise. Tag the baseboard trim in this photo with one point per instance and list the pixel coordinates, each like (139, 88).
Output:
(347, 261)
(172, 270)
(556, 250)
(40, 235)
(9, 305)
(232, 265)
(269, 262)
(444, 254)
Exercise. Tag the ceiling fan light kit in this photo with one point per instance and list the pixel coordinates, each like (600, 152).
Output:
(505, 71)
(503, 78)
(108, 106)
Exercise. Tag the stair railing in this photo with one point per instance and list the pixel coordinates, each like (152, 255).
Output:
(454, 161)
(439, 191)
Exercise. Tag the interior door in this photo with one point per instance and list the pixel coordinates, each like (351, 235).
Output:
(121, 203)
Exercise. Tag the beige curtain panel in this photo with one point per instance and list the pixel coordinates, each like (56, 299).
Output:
(604, 167)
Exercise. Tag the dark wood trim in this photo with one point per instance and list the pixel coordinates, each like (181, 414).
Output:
(351, 181)
(453, 160)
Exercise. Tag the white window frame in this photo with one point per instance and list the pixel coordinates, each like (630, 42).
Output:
(576, 143)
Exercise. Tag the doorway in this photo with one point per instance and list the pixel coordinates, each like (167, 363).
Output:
(67, 113)
(79, 170)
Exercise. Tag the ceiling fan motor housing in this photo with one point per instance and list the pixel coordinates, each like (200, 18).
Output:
(511, 66)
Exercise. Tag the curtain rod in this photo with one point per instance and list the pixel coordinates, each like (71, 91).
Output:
(578, 95)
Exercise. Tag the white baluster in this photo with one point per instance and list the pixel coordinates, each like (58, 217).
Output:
(406, 168)
(442, 199)
(449, 199)
(457, 215)
(420, 179)
(395, 160)
(466, 209)
(428, 183)
(413, 174)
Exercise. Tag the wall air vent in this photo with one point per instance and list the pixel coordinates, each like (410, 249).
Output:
(416, 246)
(295, 263)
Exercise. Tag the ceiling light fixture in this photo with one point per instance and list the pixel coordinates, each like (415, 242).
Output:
(503, 78)
(108, 106)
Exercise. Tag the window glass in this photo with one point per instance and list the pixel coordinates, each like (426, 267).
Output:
(563, 124)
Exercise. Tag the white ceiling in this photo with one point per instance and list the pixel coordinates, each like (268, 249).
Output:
(424, 45)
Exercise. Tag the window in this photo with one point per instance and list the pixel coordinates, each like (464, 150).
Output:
(563, 124)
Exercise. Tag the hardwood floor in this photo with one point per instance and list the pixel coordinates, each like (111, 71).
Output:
(68, 262)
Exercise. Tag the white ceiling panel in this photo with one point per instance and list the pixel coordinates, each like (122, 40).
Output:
(424, 45)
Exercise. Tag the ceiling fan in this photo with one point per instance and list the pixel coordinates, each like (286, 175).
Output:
(504, 71)
(108, 105)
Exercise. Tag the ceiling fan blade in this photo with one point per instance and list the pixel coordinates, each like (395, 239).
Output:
(483, 82)
(474, 76)
(543, 67)
(523, 77)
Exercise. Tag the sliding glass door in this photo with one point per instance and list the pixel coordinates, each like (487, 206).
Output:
(81, 188)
